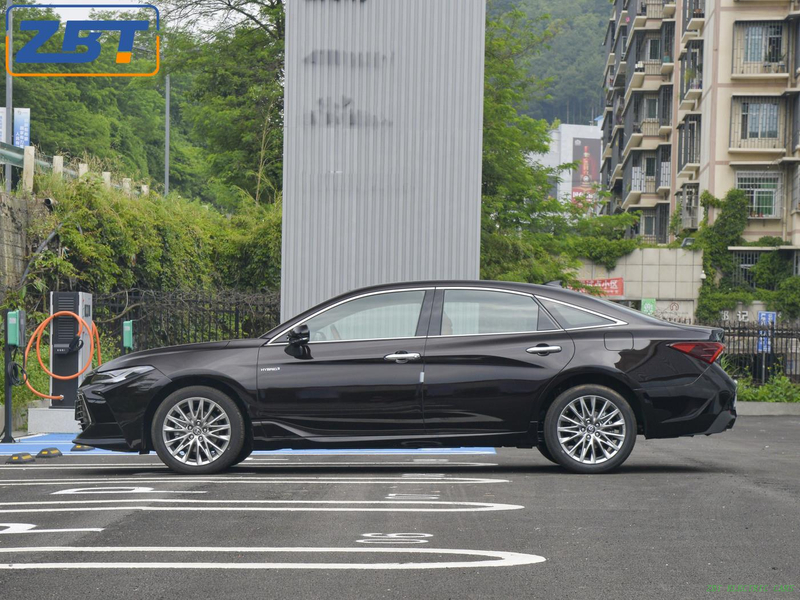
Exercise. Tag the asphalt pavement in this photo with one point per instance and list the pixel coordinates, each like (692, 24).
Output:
(679, 518)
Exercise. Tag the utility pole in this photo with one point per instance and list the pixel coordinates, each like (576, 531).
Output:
(166, 142)
(9, 90)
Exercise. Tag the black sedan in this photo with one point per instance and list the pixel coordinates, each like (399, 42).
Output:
(444, 363)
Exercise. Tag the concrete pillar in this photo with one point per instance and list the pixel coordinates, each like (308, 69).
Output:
(126, 185)
(83, 169)
(107, 179)
(28, 162)
(58, 166)
(145, 190)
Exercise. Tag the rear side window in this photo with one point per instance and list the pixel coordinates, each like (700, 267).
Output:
(470, 312)
(570, 317)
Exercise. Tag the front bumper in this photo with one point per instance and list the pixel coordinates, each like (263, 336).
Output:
(112, 417)
(702, 407)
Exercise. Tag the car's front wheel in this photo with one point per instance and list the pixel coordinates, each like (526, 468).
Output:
(590, 429)
(198, 430)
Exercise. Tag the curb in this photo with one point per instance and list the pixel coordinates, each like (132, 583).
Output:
(768, 409)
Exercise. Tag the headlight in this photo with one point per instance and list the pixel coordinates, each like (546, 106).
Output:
(118, 375)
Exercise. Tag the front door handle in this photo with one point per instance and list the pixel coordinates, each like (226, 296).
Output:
(543, 350)
(402, 357)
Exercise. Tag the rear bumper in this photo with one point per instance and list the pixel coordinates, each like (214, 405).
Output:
(702, 407)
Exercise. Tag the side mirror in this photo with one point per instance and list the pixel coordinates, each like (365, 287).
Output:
(299, 336)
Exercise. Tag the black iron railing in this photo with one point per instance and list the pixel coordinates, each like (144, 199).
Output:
(170, 318)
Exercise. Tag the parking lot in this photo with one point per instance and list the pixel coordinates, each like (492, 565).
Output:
(680, 517)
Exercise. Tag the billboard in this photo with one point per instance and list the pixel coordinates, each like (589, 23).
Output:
(22, 127)
(585, 179)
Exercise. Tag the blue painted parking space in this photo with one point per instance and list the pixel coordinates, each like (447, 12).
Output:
(63, 441)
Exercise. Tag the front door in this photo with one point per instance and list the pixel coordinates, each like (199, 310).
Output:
(358, 378)
(489, 356)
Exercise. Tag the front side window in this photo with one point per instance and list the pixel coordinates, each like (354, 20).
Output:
(471, 312)
(572, 317)
(651, 108)
(654, 49)
(380, 316)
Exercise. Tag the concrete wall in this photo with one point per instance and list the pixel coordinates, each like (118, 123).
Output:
(383, 135)
(14, 220)
(670, 275)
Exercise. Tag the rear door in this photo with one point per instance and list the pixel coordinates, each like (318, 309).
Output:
(489, 355)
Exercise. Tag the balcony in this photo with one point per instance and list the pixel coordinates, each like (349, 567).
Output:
(760, 50)
(639, 177)
(665, 110)
(694, 15)
(664, 172)
(758, 125)
(692, 80)
(689, 146)
(764, 190)
(690, 206)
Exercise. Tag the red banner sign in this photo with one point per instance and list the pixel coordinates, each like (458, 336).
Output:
(610, 287)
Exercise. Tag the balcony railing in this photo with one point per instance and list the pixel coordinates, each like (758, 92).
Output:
(760, 48)
(758, 123)
(652, 9)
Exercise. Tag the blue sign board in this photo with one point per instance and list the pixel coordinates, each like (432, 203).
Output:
(22, 127)
(766, 318)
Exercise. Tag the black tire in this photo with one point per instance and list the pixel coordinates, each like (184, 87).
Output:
(216, 403)
(245, 452)
(598, 436)
(542, 447)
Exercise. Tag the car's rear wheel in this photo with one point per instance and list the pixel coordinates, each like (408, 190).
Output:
(590, 429)
(198, 430)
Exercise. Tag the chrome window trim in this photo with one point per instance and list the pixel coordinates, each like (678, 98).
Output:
(616, 322)
(327, 308)
(502, 291)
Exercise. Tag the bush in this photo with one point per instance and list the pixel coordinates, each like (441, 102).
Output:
(778, 389)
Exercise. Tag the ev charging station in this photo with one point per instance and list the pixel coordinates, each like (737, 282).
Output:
(70, 345)
(14, 332)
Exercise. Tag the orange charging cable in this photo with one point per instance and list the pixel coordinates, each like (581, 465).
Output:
(37, 337)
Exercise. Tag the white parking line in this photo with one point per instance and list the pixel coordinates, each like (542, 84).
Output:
(495, 558)
(124, 490)
(254, 506)
(15, 528)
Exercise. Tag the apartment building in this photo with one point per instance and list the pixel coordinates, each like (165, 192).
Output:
(704, 95)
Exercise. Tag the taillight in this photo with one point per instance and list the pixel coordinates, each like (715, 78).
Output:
(708, 352)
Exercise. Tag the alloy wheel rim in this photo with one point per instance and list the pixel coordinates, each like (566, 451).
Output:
(591, 430)
(196, 431)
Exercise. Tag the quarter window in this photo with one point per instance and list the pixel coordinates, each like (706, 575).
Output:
(570, 317)
(470, 312)
(391, 315)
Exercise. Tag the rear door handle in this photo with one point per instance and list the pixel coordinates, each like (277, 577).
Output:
(542, 349)
(402, 357)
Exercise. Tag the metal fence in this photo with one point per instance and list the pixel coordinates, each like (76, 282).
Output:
(170, 318)
(759, 351)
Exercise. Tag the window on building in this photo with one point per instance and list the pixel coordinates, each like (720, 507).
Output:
(654, 49)
(651, 108)
(648, 224)
(760, 119)
(763, 42)
(650, 166)
(763, 191)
